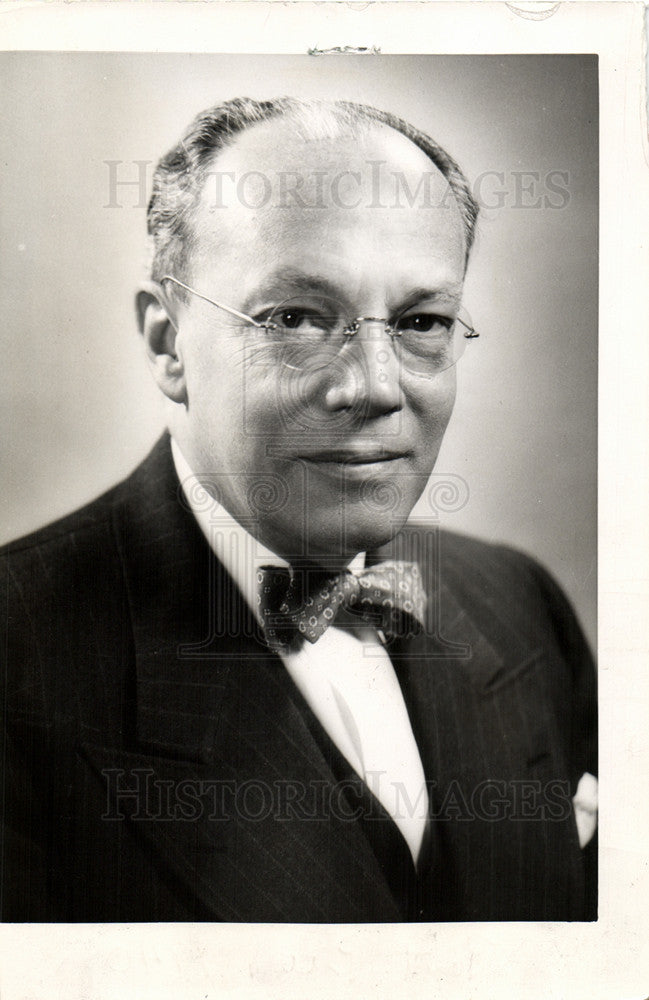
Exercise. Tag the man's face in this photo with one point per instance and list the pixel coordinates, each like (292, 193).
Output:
(319, 460)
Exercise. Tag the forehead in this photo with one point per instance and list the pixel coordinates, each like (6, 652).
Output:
(326, 197)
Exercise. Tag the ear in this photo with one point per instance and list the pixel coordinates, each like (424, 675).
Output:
(160, 334)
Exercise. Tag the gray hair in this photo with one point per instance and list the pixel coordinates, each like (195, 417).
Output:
(181, 173)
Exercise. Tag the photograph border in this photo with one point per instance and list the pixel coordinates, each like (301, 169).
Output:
(606, 959)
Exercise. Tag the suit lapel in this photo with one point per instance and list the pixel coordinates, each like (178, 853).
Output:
(461, 670)
(261, 831)
(476, 685)
(215, 708)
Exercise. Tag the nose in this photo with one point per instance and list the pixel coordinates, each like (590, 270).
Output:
(366, 376)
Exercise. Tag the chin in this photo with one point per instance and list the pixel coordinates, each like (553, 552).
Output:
(357, 535)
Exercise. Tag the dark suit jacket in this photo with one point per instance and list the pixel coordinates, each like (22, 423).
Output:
(160, 764)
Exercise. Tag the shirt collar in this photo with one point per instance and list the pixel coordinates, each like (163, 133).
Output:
(240, 552)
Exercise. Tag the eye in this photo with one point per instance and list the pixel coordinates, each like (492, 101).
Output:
(423, 323)
(314, 321)
(286, 318)
(292, 319)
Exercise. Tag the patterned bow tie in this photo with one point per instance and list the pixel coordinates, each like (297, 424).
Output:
(389, 596)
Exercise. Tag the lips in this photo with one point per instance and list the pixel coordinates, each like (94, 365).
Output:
(355, 456)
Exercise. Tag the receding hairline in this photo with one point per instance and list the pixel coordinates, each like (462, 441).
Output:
(321, 126)
(317, 143)
(183, 170)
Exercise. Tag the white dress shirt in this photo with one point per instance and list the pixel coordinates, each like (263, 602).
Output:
(346, 677)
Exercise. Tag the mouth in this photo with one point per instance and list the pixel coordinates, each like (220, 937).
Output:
(346, 465)
(355, 457)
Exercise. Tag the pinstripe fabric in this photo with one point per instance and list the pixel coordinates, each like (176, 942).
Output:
(134, 675)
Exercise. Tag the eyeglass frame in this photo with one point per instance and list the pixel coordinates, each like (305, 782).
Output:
(350, 330)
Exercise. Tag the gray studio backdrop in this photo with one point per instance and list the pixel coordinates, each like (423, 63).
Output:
(79, 406)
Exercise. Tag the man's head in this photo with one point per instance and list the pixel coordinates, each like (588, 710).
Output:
(262, 203)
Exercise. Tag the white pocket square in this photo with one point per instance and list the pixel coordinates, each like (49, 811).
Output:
(585, 805)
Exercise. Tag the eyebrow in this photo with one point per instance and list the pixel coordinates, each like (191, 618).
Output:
(451, 294)
(289, 280)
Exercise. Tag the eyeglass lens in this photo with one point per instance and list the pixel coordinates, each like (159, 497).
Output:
(310, 331)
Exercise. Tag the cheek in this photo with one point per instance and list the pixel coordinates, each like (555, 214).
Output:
(432, 405)
(236, 411)
(215, 381)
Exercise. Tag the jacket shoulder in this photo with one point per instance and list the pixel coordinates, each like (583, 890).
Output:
(471, 558)
(496, 580)
(87, 518)
(65, 604)
(68, 560)
(490, 561)
(94, 516)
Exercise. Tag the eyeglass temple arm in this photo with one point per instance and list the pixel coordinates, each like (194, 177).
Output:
(212, 302)
(469, 333)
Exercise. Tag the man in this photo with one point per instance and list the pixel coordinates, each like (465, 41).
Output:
(238, 686)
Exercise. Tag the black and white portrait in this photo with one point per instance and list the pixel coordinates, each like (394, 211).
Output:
(299, 576)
